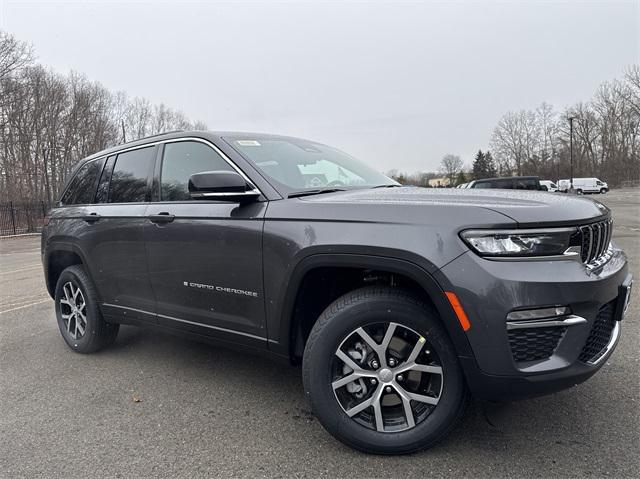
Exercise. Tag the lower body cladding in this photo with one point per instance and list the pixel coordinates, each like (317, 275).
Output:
(537, 326)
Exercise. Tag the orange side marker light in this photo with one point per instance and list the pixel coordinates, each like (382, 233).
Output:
(457, 307)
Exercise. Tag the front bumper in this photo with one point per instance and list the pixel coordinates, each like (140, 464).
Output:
(489, 290)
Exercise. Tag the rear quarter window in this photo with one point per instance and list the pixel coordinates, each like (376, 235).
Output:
(82, 188)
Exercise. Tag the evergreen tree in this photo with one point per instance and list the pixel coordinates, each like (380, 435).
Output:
(490, 165)
(479, 166)
(461, 178)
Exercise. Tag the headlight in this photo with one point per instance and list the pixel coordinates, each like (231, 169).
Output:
(547, 242)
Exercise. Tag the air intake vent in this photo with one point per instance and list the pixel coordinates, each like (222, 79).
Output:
(600, 334)
(533, 344)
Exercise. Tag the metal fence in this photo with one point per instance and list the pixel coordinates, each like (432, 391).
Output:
(21, 218)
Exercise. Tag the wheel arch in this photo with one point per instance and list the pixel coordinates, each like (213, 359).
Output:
(429, 287)
(60, 255)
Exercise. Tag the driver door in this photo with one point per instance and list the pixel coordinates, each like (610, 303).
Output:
(204, 256)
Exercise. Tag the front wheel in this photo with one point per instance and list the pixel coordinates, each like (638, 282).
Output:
(603, 191)
(381, 373)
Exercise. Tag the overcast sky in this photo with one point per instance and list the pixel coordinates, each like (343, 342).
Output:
(396, 84)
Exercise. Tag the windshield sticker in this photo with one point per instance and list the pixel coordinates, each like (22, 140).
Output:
(248, 143)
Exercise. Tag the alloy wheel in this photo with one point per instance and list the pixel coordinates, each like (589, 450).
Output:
(73, 309)
(387, 377)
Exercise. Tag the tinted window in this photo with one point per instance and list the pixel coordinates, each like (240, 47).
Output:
(129, 178)
(505, 184)
(102, 195)
(183, 159)
(527, 184)
(82, 188)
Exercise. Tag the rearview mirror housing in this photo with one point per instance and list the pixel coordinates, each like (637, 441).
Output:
(221, 186)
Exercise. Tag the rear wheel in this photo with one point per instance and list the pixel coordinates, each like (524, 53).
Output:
(579, 191)
(381, 373)
(79, 319)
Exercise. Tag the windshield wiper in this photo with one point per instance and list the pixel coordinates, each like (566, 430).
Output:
(317, 191)
(388, 186)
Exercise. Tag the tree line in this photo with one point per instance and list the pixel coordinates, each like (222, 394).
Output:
(49, 121)
(606, 141)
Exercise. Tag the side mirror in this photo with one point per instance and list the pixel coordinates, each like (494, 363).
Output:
(222, 186)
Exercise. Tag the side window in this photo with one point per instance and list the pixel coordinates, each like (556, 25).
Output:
(102, 195)
(129, 177)
(527, 184)
(82, 188)
(181, 160)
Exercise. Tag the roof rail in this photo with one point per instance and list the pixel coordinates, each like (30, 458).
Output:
(152, 136)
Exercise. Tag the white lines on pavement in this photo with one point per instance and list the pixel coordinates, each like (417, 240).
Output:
(13, 253)
(35, 266)
(23, 300)
(25, 306)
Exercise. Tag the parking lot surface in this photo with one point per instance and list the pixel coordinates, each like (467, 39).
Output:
(156, 405)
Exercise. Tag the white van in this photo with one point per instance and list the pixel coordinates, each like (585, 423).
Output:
(584, 185)
(548, 185)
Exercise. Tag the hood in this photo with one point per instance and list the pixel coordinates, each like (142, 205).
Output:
(527, 208)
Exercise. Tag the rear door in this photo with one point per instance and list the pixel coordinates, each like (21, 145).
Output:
(205, 257)
(115, 239)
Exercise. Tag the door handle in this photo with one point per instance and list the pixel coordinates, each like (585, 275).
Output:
(91, 217)
(162, 217)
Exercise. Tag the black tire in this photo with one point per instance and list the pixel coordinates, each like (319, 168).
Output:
(369, 306)
(603, 191)
(579, 191)
(97, 332)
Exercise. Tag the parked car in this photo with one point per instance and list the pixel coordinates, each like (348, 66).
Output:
(548, 185)
(584, 185)
(508, 183)
(397, 301)
(462, 185)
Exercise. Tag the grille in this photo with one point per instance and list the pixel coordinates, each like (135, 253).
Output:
(532, 344)
(595, 240)
(600, 334)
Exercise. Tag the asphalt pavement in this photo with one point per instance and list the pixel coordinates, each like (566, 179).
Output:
(156, 405)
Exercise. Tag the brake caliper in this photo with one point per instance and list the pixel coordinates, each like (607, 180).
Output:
(358, 388)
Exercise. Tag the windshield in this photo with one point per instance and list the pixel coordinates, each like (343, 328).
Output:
(296, 165)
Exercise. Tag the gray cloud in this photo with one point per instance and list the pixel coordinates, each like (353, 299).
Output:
(396, 84)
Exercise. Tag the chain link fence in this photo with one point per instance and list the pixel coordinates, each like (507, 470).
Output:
(21, 218)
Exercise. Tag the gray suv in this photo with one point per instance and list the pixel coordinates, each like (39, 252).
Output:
(398, 302)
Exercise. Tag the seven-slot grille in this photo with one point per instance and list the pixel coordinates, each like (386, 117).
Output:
(595, 240)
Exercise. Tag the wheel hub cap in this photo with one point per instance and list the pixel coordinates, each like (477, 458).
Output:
(385, 375)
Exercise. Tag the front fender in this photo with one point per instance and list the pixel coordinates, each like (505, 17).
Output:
(280, 315)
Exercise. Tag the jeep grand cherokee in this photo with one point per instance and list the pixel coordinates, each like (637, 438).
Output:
(397, 301)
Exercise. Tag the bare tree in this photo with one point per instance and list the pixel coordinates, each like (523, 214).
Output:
(450, 166)
(49, 121)
(14, 54)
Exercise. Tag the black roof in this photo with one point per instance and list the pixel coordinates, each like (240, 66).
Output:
(511, 178)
